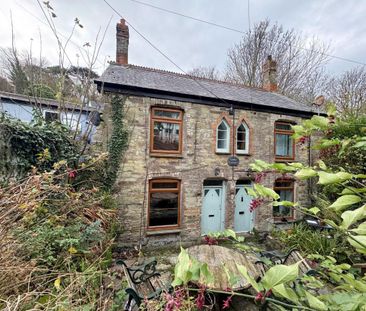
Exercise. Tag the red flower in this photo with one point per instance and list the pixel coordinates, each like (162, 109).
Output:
(254, 204)
(200, 300)
(72, 174)
(302, 140)
(226, 304)
(210, 240)
(258, 297)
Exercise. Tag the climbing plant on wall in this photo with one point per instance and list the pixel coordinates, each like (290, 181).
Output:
(118, 142)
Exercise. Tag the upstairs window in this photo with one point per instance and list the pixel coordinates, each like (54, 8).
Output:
(223, 137)
(166, 131)
(242, 139)
(285, 189)
(284, 143)
(164, 211)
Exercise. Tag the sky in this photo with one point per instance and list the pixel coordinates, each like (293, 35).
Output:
(187, 42)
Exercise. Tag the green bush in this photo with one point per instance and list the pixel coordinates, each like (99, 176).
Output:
(39, 144)
(352, 159)
(41, 91)
(310, 241)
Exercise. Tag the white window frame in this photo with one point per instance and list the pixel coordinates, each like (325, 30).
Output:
(246, 150)
(227, 139)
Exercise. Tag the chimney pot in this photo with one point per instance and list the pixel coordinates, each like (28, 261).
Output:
(122, 40)
(270, 74)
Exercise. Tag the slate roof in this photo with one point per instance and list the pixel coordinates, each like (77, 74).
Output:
(127, 76)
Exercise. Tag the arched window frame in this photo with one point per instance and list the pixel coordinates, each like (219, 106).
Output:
(227, 138)
(246, 138)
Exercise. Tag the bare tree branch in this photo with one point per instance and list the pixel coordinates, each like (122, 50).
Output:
(348, 92)
(300, 60)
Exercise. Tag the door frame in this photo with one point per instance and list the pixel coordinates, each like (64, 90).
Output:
(254, 214)
(223, 205)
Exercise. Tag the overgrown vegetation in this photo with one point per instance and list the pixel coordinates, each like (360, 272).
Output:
(56, 242)
(310, 241)
(38, 143)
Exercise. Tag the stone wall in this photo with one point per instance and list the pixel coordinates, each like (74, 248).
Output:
(197, 163)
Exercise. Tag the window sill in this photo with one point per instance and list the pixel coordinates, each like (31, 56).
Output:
(279, 221)
(284, 160)
(161, 232)
(223, 153)
(244, 154)
(164, 155)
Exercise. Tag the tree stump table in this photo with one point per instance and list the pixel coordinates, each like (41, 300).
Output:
(219, 257)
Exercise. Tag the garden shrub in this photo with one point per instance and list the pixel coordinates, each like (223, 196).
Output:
(39, 144)
(352, 159)
(311, 241)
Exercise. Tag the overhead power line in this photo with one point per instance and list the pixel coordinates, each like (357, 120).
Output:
(164, 55)
(187, 16)
(238, 31)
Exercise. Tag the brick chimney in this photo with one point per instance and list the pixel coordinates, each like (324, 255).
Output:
(270, 75)
(122, 37)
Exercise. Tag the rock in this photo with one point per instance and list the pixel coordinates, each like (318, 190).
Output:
(163, 267)
(173, 259)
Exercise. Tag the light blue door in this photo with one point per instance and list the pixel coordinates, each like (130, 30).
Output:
(243, 218)
(213, 210)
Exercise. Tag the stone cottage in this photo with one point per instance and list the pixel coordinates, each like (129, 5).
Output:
(180, 178)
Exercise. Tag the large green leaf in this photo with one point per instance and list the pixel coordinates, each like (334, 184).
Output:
(187, 269)
(320, 122)
(280, 274)
(344, 201)
(284, 203)
(206, 274)
(251, 192)
(332, 178)
(232, 278)
(361, 229)
(358, 242)
(322, 165)
(314, 210)
(306, 173)
(285, 292)
(315, 302)
(351, 217)
(282, 167)
(266, 192)
(296, 165)
(352, 190)
(243, 270)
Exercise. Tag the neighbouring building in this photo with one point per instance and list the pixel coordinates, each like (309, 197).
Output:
(22, 107)
(174, 182)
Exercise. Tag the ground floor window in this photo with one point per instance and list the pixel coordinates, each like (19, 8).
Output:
(285, 189)
(164, 211)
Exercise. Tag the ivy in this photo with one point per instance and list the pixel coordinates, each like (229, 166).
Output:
(39, 144)
(118, 141)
